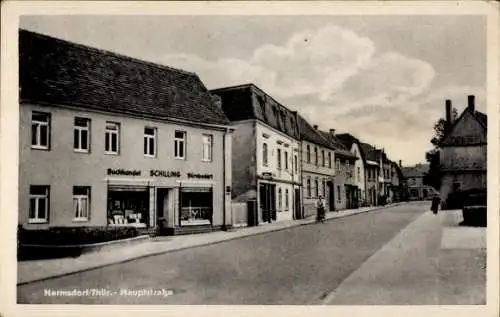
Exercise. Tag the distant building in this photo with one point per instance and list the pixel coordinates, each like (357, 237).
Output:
(266, 149)
(397, 183)
(463, 151)
(354, 145)
(414, 177)
(372, 170)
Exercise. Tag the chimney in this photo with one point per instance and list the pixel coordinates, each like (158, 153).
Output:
(315, 127)
(471, 103)
(400, 163)
(332, 131)
(448, 111)
(217, 101)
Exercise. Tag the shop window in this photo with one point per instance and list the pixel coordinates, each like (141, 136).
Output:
(150, 141)
(308, 154)
(278, 159)
(112, 138)
(308, 185)
(286, 160)
(196, 206)
(128, 206)
(287, 202)
(180, 145)
(39, 204)
(40, 130)
(81, 203)
(81, 135)
(264, 154)
(280, 199)
(207, 147)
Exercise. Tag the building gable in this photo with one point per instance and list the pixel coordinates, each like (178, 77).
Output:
(467, 130)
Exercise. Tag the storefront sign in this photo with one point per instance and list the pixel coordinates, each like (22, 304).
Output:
(267, 175)
(121, 171)
(164, 173)
(202, 176)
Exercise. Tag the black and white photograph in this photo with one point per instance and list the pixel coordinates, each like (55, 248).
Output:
(232, 157)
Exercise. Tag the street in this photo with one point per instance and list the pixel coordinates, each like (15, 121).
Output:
(299, 265)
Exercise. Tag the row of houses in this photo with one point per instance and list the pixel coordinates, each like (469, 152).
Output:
(108, 140)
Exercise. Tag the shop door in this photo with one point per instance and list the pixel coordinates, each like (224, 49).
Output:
(264, 202)
(331, 196)
(298, 207)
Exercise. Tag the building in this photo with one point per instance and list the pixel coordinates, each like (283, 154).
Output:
(344, 185)
(414, 176)
(385, 176)
(111, 141)
(266, 149)
(372, 170)
(463, 151)
(397, 183)
(318, 168)
(354, 145)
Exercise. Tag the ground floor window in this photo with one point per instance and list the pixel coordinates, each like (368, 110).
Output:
(81, 203)
(339, 199)
(39, 204)
(196, 205)
(128, 207)
(287, 203)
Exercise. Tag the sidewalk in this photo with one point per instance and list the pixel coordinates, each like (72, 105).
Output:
(427, 263)
(30, 271)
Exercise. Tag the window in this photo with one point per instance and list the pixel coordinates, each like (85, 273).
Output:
(81, 135)
(338, 165)
(308, 153)
(112, 138)
(280, 199)
(308, 187)
(287, 202)
(81, 203)
(339, 199)
(316, 187)
(329, 160)
(295, 163)
(279, 159)
(359, 173)
(40, 130)
(39, 204)
(286, 160)
(324, 187)
(207, 147)
(180, 145)
(149, 141)
(264, 154)
(323, 158)
(316, 156)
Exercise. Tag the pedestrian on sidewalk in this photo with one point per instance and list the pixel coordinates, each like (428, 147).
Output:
(435, 204)
(320, 210)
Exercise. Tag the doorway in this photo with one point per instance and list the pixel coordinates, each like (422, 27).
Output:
(298, 209)
(267, 199)
(163, 211)
(331, 196)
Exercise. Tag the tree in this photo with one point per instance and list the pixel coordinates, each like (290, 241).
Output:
(433, 175)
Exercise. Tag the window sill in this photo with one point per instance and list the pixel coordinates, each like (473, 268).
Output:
(207, 161)
(80, 219)
(37, 221)
(180, 158)
(150, 156)
(112, 153)
(81, 151)
(41, 148)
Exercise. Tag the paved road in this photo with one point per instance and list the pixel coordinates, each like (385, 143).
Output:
(299, 265)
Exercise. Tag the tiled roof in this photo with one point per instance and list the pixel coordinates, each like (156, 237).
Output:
(340, 149)
(53, 71)
(250, 102)
(464, 140)
(309, 133)
(370, 152)
(348, 140)
(482, 118)
(418, 170)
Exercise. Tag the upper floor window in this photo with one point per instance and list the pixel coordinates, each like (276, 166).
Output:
(295, 163)
(278, 158)
(149, 141)
(323, 158)
(40, 130)
(112, 138)
(359, 173)
(264, 154)
(180, 145)
(286, 160)
(81, 203)
(329, 160)
(39, 204)
(81, 135)
(308, 153)
(207, 147)
(316, 159)
(338, 165)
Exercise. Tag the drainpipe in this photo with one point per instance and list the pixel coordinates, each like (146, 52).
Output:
(224, 227)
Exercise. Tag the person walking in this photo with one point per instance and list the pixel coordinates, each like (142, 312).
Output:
(435, 204)
(320, 210)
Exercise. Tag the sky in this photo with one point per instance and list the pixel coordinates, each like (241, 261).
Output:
(383, 79)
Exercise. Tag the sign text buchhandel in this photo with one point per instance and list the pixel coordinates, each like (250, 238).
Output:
(122, 171)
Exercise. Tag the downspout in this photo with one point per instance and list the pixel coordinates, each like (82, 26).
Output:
(223, 227)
